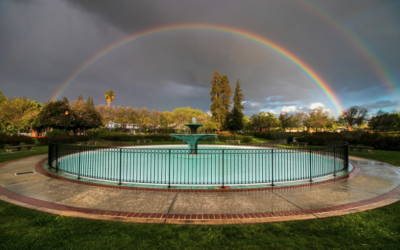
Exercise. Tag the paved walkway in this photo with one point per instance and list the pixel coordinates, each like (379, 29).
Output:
(373, 185)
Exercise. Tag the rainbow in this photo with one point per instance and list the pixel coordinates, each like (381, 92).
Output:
(286, 53)
(373, 61)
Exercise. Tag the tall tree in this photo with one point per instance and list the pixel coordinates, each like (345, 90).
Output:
(235, 118)
(2, 97)
(89, 102)
(80, 97)
(354, 116)
(317, 118)
(65, 100)
(221, 93)
(155, 117)
(143, 116)
(284, 119)
(109, 95)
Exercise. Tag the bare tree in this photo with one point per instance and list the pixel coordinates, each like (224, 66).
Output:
(353, 116)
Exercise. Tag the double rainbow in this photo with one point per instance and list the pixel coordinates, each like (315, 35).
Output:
(286, 53)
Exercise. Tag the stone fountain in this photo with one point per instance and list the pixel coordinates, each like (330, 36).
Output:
(193, 138)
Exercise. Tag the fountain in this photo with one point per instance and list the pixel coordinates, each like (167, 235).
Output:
(193, 138)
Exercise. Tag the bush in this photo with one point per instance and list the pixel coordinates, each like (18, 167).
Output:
(129, 137)
(247, 139)
(57, 132)
(15, 140)
(274, 135)
(44, 141)
(381, 143)
(3, 134)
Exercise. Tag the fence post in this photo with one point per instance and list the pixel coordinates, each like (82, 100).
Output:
(120, 166)
(50, 155)
(169, 169)
(57, 158)
(272, 166)
(346, 150)
(310, 167)
(223, 172)
(334, 161)
(79, 165)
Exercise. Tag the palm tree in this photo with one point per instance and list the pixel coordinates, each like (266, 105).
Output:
(109, 96)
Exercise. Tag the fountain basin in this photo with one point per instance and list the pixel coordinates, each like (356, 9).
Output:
(194, 139)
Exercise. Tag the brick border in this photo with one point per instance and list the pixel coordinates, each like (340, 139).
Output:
(40, 169)
(201, 219)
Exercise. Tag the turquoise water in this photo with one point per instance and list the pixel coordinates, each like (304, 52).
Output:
(213, 165)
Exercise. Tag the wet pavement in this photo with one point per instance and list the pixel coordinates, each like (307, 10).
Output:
(372, 181)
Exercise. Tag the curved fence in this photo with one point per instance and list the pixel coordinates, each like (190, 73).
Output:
(208, 167)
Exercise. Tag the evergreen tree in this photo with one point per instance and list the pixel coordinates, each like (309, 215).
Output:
(80, 98)
(235, 118)
(89, 102)
(65, 100)
(221, 93)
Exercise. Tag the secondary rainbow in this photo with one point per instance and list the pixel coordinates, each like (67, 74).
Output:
(372, 60)
(286, 53)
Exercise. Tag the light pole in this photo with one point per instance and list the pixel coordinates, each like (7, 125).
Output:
(66, 114)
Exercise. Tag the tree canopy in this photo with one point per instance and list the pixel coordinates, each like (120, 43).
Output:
(109, 95)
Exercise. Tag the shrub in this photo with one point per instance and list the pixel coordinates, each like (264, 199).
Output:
(57, 132)
(15, 140)
(44, 141)
(247, 139)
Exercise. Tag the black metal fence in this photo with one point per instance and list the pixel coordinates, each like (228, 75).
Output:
(171, 166)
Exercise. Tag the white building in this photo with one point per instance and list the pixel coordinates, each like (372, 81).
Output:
(111, 125)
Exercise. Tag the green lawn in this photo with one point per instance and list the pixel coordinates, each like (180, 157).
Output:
(8, 157)
(392, 157)
(22, 228)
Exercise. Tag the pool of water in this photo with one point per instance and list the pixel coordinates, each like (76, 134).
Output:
(213, 165)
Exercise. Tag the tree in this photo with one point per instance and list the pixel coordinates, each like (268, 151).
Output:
(80, 97)
(167, 119)
(220, 97)
(2, 97)
(90, 102)
(52, 115)
(155, 119)
(18, 112)
(211, 126)
(317, 118)
(109, 95)
(284, 119)
(85, 116)
(354, 116)
(143, 116)
(107, 113)
(121, 116)
(65, 100)
(384, 122)
(235, 118)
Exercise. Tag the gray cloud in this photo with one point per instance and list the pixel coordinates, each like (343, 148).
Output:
(380, 104)
(45, 41)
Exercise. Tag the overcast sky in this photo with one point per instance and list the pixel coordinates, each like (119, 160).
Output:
(42, 42)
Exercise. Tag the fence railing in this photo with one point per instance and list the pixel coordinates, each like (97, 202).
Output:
(215, 166)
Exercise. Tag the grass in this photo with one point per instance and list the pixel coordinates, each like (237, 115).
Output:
(21, 228)
(8, 157)
(392, 157)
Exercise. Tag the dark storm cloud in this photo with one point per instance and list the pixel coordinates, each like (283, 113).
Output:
(380, 104)
(42, 42)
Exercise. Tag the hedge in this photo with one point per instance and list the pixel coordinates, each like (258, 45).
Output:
(381, 143)
(273, 135)
(44, 141)
(15, 140)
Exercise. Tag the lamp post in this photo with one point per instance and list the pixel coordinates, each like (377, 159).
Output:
(66, 114)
